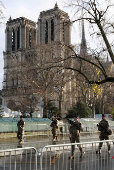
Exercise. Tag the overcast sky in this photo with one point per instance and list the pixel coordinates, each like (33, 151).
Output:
(31, 10)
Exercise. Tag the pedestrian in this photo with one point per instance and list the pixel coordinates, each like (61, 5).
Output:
(20, 132)
(103, 127)
(54, 125)
(75, 129)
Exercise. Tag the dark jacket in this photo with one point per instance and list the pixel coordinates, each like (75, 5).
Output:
(21, 124)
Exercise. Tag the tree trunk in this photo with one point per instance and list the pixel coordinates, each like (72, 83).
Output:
(45, 105)
(106, 41)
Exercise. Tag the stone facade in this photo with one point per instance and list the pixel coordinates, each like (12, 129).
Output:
(24, 36)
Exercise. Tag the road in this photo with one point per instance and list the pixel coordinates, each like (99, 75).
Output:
(58, 160)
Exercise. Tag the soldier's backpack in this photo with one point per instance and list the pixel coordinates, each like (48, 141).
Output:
(110, 131)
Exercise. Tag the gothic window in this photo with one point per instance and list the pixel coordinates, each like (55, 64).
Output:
(12, 82)
(30, 38)
(53, 55)
(63, 31)
(46, 33)
(18, 38)
(13, 40)
(15, 82)
(52, 30)
(5, 77)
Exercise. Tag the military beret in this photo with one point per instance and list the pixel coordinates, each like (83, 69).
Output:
(103, 115)
(76, 116)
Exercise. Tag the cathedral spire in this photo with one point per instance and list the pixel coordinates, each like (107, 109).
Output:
(10, 18)
(56, 5)
(83, 48)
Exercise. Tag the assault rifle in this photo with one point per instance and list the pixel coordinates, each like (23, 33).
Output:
(73, 123)
(108, 131)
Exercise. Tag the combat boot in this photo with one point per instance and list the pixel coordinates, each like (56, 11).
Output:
(98, 151)
(82, 154)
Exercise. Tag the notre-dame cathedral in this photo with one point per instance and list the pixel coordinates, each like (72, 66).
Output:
(24, 35)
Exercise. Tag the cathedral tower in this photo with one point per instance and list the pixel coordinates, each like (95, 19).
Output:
(20, 34)
(53, 26)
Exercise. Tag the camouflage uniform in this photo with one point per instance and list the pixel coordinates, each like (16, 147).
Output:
(54, 129)
(75, 136)
(102, 127)
(20, 133)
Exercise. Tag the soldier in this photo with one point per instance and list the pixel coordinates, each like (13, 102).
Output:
(54, 128)
(74, 130)
(20, 125)
(103, 126)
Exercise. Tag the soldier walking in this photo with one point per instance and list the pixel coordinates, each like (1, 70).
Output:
(54, 128)
(103, 126)
(20, 132)
(74, 130)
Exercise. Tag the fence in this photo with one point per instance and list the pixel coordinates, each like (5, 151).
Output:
(64, 128)
(30, 130)
(57, 157)
(18, 159)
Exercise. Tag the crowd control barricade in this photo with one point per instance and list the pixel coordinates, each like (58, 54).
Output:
(63, 130)
(36, 129)
(58, 157)
(18, 159)
(30, 129)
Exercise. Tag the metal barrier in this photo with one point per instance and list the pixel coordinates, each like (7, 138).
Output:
(7, 131)
(18, 159)
(29, 130)
(63, 130)
(58, 157)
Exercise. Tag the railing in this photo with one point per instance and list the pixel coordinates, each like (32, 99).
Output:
(58, 157)
(63, 129)
(29, 130)
(36, 129)
(18, 159)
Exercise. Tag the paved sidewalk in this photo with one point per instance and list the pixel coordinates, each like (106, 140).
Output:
(40, 141)
(61, 161)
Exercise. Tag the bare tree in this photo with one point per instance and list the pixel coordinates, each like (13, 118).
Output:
(2, 17)
(101, 28)
(34, 75)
